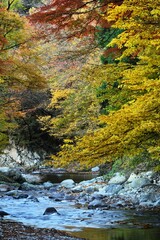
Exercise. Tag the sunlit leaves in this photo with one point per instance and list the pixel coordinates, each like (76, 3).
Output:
(134, 127)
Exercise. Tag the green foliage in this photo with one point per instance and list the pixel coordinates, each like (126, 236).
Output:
(105, 35)
(13, 4)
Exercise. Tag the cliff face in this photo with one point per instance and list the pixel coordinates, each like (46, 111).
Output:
(17, 156)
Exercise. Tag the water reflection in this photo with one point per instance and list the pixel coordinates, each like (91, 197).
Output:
(59, 177)
(119, 234)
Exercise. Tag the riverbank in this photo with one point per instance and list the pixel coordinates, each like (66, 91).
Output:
(17, 231)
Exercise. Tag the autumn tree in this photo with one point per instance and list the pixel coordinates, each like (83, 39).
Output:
(21, 66)
(134, 127)
(73, 104)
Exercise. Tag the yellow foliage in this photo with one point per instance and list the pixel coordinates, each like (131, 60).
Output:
(59, 95)
(135, 127)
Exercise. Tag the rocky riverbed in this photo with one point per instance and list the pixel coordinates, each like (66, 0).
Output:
(122, 201)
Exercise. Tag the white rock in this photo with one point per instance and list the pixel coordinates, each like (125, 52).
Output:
(30, 178)
(118, 178)
(95, 169)
(68, 183)
(78, 188)
(132, 177)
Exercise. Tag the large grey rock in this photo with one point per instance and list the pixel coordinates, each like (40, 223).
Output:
(149, 193)
(113, 189)
(139, 182)
(32, 178)
(118, 178)
(68, 183)
(78, 189)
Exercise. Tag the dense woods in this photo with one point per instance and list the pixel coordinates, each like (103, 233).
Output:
(80, 80)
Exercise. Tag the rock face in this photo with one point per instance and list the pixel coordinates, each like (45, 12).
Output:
(14, 156)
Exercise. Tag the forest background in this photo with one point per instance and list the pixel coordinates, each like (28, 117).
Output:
(79, 81)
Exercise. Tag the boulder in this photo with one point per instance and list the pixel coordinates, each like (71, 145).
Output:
(113, 189)
(68, 183)
(139, 182)
(32, 178)
(118, 178)
(50, 210)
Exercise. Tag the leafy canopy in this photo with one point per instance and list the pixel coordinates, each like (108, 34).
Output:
(135, 126)
(20, 66)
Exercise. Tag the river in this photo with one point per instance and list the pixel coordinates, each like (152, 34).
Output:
(92, 224)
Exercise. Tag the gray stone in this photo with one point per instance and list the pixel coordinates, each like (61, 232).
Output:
(32, 178)
(132, 177)
(21, 196)
(118, 178)
(97, 196)
(95, 169)
(96, 203)
(13, 193)
(68, 183)
(113, 189)
(90, 189)
(77, 189)
(70, 197)
(48, 185)
(139, 182)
